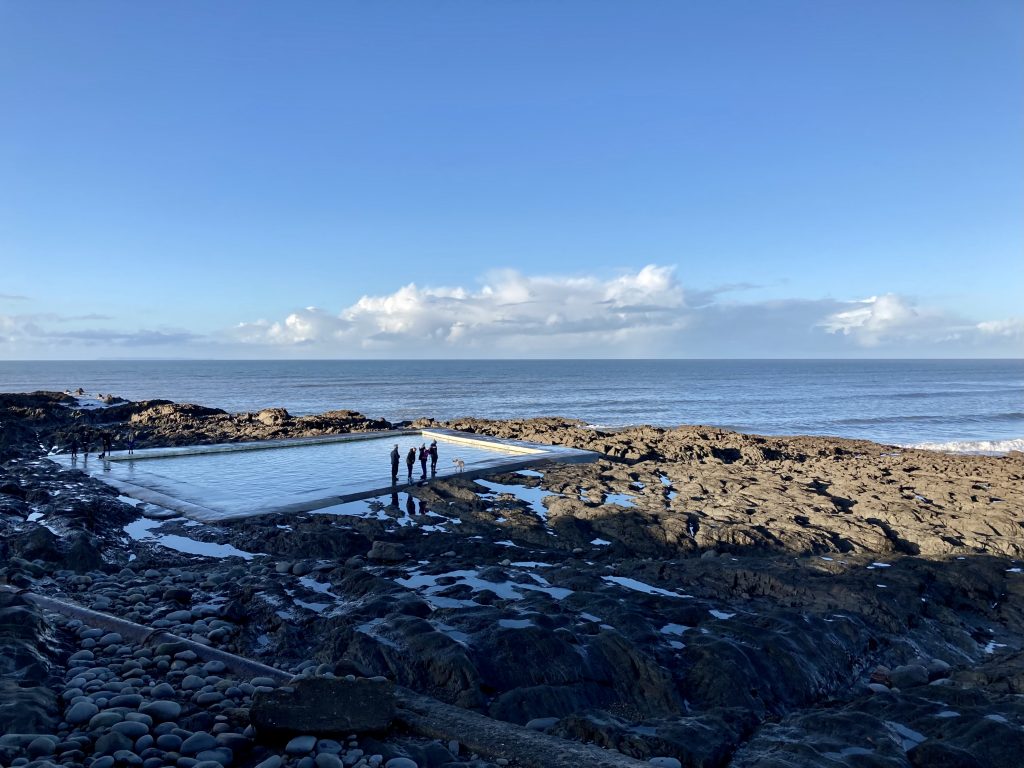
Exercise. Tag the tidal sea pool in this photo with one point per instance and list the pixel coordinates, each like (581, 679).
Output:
(240, 480)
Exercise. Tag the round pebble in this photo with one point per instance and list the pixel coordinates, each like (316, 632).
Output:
(300, 745)
(197, 742)
(162, 711)
(328, 760)
(81, 712)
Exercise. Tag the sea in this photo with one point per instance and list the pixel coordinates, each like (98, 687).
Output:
(951, 405)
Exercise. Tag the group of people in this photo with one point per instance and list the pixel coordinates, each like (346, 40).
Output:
(425, 454)
(83, 441)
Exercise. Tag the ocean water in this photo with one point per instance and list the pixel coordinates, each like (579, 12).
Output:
(968, 405)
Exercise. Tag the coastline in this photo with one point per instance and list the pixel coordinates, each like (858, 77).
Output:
(899, 402)
(692, 595)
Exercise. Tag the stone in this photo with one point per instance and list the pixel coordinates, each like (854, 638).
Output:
(909, 676)
(163, 691)
(178, 595)
(400, 762)
(325, 706)
(81, 712)
(197, 742)
(169, 741)
(300, 745)
(665, 762)
(132, 700)
(42, 745)
(111, 742)
(192, 683)
(162, 711)
(386, 552)
(937, 669)
(130, 729)
(274, 761)
(328, 760)
(105, 719)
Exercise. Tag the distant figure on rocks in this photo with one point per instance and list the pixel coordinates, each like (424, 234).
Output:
(423, 459)
(107, 443)
(86, 439)
(74, 448)
(433, 457)
(131, 441)
(395, 457)
(410, 460)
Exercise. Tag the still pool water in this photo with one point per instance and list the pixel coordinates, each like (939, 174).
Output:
(254, 476)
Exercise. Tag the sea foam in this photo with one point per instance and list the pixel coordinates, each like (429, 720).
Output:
(985, 447)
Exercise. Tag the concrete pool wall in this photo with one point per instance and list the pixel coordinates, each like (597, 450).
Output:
(235, 480)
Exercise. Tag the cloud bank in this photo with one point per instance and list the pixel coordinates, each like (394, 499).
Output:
(642, 313)
(635, 314)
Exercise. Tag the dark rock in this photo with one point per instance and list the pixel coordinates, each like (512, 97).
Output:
(937, 754)
(325, 706)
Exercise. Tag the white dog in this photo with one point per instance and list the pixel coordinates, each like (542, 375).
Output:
(460, 465)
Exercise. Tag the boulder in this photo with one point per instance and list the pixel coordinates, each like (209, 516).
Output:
(386, 552)
(325, 706)
(273, 417)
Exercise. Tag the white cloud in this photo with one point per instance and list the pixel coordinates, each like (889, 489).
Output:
(1011, 327)
(892, 319)
(36, 332)
(509, 311)
(639, 313)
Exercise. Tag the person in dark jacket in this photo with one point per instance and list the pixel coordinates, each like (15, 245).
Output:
(410, 460)
(423, 459)
(395, 457)
(433, 457)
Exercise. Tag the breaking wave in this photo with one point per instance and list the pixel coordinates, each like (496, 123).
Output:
(987, 447)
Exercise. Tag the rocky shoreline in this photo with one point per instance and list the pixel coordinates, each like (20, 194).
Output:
(694, 598)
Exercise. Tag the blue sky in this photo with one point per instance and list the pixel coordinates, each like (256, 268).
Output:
(467, 179)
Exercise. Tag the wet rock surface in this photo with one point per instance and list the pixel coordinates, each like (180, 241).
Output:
(695, 596)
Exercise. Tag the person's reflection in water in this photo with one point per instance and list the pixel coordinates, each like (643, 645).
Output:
(423, 507)
(410, 505)
(394, 499)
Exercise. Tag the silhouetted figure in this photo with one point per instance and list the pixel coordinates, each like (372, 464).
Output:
(74, 448)
(107, 443)
(433, 457)
(394, 499)
(394, 463)
(423, 460)
(410, 460)
(410, 506)
(86, 439)
(131, 441)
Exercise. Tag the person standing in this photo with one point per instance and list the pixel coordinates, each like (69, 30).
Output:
(131, 441)
(86, 439)
(410, 460)
(394, 463)
(74, 447)
(423, 460)
(107, 443)
(433, 457)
